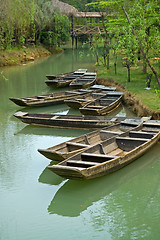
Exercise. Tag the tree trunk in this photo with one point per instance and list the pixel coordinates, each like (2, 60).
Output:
(115, 68)
(144, 66)
(142, 49)
(97, 58)
(129, 73)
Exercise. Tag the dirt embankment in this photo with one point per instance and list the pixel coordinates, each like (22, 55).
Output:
(19, 56)
(131, 101)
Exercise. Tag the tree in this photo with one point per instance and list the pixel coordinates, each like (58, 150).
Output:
(21, 20)
(142, 18)
(142, 32)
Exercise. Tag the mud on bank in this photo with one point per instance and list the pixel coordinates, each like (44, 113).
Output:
(131, 100)
(25, 54)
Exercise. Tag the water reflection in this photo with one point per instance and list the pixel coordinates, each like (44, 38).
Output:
(44, 131)
(48, 177)
(76, 196)
(124, 205)
(58, 108)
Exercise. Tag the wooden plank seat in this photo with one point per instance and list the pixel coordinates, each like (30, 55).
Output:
(54, 117)
(92, 106)
(85, 79)
(106, 98)
(39, 97)
(113, 119)
(77, 144)
(131, 139)
(102, 101)
(110, 132)
(155, 124)
(28, 98)
(96, 157)
(146, 135)
(84, 164)
(71, 93)
(82, 99)
(150, 131)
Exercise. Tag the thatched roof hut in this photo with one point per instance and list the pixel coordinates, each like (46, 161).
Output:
(64, 8)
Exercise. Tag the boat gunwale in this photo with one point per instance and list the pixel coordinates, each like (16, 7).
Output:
(142, 148)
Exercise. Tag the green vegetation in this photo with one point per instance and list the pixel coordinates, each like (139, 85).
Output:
(30, 21)
(131, 47)
(149, 97)
(130, 37)
(16, 56)
(134, 27)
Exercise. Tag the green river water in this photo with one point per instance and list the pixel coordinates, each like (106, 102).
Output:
(35, 204)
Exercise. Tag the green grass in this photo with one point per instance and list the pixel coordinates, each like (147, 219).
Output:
(137, 85)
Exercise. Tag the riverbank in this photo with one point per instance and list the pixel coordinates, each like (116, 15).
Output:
(140, 99)
(131, 100)
(18, 56)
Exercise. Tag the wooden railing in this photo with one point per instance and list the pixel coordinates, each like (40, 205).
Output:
(87, 29)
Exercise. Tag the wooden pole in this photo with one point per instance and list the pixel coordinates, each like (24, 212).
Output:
(76, 38)
(72, 31)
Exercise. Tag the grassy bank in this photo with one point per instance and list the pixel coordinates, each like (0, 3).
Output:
(18, 56)
(144, 102)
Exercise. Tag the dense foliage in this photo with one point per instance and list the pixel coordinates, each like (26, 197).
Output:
(134, 27)
(23, 21)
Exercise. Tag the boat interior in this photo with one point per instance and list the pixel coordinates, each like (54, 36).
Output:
(110, 149)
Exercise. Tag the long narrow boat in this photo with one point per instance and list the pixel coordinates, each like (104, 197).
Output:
(99, 86)
(69, 148)
(80, 101)
(66, 121)
(103, 105)
(62, 75)
(87, 80)
(48, 99)
(110, 155)
(60, 82)
(64, 80)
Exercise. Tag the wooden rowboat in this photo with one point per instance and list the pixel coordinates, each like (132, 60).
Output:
(103, 105)
(69, 148)
(48, 99)
(87, 80)
(67, 121)
(99, 86)
(110, 155)
(64, 80)
(80, 101)
(62, 75)
(60, 82)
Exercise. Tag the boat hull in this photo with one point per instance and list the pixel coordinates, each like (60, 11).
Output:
(48, 99)
(18, 101)
(102, 111)
(69, 148)
(58, 83)
(78, 86)
(58, 156)
(109, 163)
(65, 121)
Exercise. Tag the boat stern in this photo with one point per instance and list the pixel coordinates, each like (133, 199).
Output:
(68, 172)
